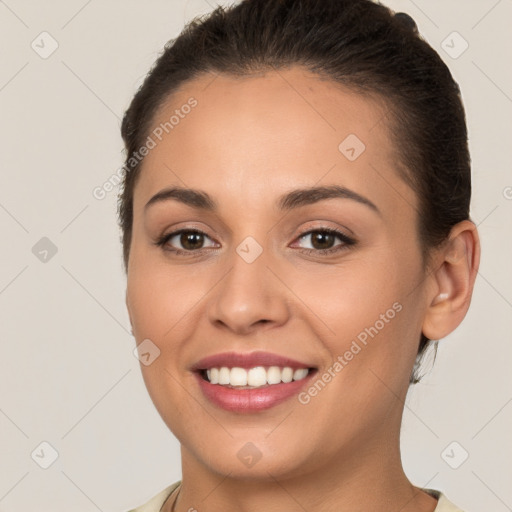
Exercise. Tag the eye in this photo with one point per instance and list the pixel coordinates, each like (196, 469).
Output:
(191, 240)
(322, 240)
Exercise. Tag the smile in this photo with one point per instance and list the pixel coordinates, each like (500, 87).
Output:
(253, 378)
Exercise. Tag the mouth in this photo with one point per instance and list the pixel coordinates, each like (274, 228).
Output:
(252, 390)
(251, 382)
(253, 378)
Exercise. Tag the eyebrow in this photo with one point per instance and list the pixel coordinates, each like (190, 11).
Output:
(295, 199)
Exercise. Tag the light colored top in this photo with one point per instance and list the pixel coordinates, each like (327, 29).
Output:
(156, 502)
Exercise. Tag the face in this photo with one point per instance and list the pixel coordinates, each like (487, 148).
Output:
(334, 282)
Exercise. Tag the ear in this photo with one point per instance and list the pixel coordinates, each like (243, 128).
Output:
(453, 278)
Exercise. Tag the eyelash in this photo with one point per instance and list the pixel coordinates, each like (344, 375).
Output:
(347, 242)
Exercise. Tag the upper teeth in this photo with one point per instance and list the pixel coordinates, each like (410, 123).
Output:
(254, 377)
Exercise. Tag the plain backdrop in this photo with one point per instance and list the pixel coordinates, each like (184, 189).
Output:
(68, 375)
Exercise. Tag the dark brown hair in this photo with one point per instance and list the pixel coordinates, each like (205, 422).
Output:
(359, 44)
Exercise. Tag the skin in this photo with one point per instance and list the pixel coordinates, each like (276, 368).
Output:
(248, 141)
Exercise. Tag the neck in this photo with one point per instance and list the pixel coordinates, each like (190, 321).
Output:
(370, 479)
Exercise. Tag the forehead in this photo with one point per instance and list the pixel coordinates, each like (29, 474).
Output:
(266, 134)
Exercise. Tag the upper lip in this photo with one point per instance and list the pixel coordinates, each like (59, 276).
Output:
(247, 360)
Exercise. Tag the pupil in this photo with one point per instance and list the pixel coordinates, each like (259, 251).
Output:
(187, 240)
(325, 240)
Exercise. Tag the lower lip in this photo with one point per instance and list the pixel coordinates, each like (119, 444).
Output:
(251, 400)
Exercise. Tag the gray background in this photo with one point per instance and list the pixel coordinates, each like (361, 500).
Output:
(68, 376)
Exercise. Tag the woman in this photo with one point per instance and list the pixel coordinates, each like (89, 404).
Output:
(296, 232)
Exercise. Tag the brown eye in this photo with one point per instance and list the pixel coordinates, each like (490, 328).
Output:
(191, 240)
(185, 240)
(322, 240)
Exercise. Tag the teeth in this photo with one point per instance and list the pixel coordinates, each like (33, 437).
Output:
(255, 377)
(238, 377)
(224, 376)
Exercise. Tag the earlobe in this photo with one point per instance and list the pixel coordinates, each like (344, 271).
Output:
(453, 281)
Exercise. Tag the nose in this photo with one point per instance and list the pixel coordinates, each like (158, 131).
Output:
(249, 297)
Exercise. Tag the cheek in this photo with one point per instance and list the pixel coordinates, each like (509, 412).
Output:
(348, 296)
(364, 311)
(160, 307)
(159, 294)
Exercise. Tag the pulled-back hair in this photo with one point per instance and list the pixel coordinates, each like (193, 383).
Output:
(359, 44)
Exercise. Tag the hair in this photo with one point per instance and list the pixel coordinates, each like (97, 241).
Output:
(358, 44)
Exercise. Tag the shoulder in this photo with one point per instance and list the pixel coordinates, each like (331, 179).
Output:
(443, 503)
(156, 502)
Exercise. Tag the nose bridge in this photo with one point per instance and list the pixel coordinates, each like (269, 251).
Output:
(249, 293)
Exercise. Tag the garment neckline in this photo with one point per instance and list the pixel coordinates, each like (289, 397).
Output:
(174, 489)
